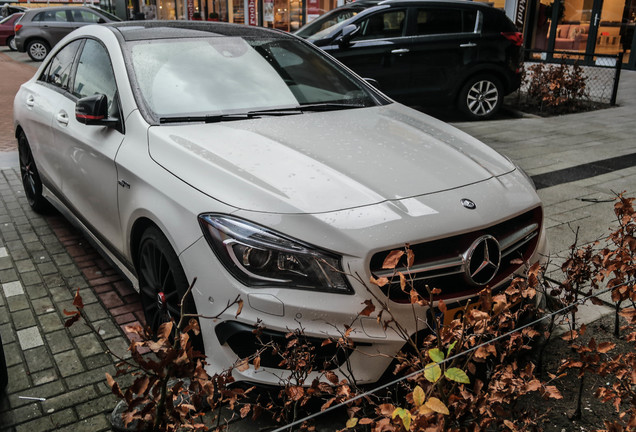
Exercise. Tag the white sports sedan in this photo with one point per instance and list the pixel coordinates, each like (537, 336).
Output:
(252, 161)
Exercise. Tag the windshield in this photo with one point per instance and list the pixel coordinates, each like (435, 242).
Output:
(327, 23)
(223, 75)
(10, 17)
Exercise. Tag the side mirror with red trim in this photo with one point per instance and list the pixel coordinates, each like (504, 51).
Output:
(93, 111)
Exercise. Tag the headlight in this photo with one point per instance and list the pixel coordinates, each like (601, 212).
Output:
(257, 257)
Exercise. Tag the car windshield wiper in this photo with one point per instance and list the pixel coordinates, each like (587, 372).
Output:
(259, 113)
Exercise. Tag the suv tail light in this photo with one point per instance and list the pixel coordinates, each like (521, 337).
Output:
(514, 37)
(17, 28)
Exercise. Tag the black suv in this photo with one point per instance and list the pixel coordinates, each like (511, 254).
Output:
(427, 53)
(40, 29)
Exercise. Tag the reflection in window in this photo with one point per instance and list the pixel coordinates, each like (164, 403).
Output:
(58, 70)
(95, 75)
(383, 25)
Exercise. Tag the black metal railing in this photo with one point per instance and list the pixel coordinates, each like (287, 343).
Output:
(600, 73)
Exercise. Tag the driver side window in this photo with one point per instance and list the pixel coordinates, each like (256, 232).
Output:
(383, 25)
(95, 75)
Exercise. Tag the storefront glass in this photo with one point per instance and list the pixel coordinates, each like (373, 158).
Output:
(584, 26)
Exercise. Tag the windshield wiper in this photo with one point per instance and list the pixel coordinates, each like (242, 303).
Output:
(259, 113)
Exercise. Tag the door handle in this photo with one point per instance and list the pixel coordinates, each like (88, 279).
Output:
(30, 101)
(468, 45)
(62, 118)
(400, 51)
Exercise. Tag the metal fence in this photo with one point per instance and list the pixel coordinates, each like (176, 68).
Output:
(600, 72)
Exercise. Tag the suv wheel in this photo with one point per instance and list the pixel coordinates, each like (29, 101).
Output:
(481, 97)
(37, 49)
(11, 43)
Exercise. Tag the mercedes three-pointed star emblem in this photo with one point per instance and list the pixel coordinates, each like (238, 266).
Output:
(482, 260)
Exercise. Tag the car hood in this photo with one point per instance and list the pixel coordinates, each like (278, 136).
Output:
(323, 162)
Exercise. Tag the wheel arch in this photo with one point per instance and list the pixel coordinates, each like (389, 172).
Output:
(136, 232)
(482, 70)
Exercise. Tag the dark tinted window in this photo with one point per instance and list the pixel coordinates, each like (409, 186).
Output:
(440, 21)
(95, 75)
(383, 25)
(496, 21)
(59, 69)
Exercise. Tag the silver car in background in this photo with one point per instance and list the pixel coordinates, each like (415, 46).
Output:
(40, 29)
(250, 160)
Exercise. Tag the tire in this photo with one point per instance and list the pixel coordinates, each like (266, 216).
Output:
(162, 282)
(481, 97)
(31, 177)
(37, 49)
(11, 43)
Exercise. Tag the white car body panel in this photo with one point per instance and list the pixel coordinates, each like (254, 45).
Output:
(353, 182)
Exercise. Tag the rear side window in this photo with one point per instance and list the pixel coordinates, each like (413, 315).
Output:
(383, 25)
(59, 68)
(58, 16)
(496, 21)
(95, 75)
(86, 16)
(432, 21)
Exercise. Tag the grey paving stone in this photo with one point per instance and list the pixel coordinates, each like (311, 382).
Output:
(4, 312)
(36, 291)
(23, 319)
(60, 294)
(8, 275)
(77, 282)
(17, 303)
(50, 322)
(53, 281)
(58, 341)
(12, 353)
(61, 259)
(35, 246)
(88, 296)
(96, 312)
(46, 268)
(93, 424)
(90, 377)
(89, 345)
(18, 379)
(53, 421)
(119, 347)
(38, 359)
(21, 414)
(30, 338)
(69, 271)
(68, 363)
(100, 405)
(45, 376)
(7, 332)
(97, 361)
(12, 288)
(42, 305)
(69, 399)
(106, 328)
(31, 278)
(6, 263)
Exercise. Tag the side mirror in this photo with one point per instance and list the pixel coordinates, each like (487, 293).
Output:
(348, 32)
(101, 21)
(93, 111)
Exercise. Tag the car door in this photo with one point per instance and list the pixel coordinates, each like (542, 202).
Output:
(55, 25)
(90, 178)
(38, 102)
(445, 44)
(378, 50)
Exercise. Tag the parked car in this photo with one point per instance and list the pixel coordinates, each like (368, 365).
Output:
(462, 54)
(9, 9)
(40, 29)
(7, 33)
(250, 160)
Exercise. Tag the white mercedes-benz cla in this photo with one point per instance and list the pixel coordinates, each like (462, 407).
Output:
(252, 161)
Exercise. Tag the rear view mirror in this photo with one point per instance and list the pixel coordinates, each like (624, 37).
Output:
(93, 111)
(348, 32)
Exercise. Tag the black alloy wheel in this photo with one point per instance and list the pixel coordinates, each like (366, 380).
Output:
(481, 97)
(30, 177)
(162, 282)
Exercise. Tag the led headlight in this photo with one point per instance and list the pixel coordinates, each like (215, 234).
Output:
(257, 256)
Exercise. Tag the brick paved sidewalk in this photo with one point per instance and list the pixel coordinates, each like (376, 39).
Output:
(13, 75)
(43, 261)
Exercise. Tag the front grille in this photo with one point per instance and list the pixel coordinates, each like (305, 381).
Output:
(443, 263)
